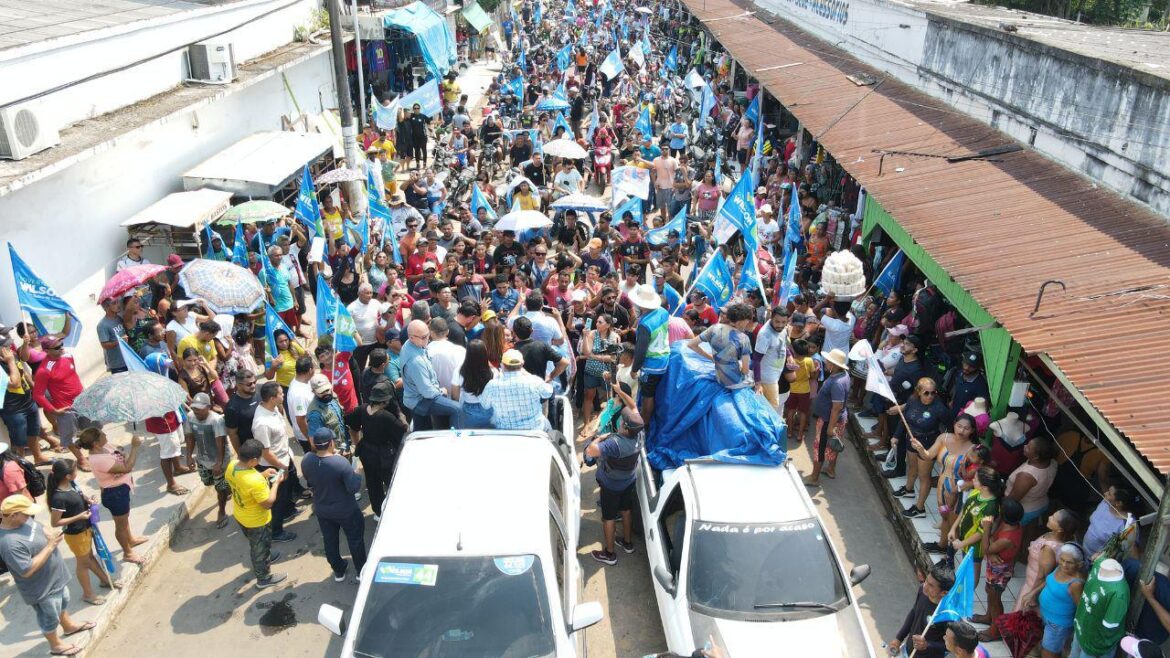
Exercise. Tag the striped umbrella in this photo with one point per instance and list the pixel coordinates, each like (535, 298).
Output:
(129, 397)
(340, 175)
(225, 287)
(251, 212)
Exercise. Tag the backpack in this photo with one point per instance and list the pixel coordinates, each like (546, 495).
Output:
(34, 479)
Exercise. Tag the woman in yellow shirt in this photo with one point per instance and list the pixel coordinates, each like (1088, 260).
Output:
(283, 368)
(331, 217)
(796, 409)
(524, 199)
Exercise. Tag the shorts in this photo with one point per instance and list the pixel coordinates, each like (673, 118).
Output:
(67, 422)
(798, 402)
(117, 500)
(1055, 637)
(998, 575)
(81, 544)
(22, 425)
(49, 610)
(649, 385)
(1033, 515)
(593, 382)
(170, 444)
(613, 503)
(210, 479)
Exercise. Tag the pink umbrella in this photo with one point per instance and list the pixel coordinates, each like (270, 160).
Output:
(128, 279)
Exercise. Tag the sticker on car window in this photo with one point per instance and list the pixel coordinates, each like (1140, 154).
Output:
(515, 565)
(404, 573)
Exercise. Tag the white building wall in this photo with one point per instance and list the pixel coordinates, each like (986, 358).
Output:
(67, 226)
(47, 65)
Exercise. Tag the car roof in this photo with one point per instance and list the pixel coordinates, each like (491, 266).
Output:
(468, 493)
(746, 493)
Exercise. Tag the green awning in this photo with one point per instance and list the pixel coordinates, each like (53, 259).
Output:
(476, 17)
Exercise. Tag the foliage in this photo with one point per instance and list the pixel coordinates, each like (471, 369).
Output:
(1128, 13)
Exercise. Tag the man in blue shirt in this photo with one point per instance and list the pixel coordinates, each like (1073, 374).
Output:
(616, 456)
(677, 132)
(504, 298)
(421, 392)
(334, 484)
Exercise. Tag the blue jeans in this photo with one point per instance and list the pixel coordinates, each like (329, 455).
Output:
(1078, 652)
(436, 413)
(22, 425)
(354, 528)
(475, 416)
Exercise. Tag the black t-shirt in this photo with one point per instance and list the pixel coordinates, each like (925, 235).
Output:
(639, 250)
(500, 255)
(369, 378)
(537, 356)
(382, 429)
(238, 413)
(70, 503)
(535, 173)
(519, 153)
(577, 108)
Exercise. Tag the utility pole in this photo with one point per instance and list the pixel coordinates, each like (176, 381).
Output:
(357, 42)
(1155, 546)
(353, 159)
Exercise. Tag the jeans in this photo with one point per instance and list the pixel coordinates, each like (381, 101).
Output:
(260, 550)
(354, 528)
(1078, 652)
(378, 464)
(49, 610)
(22, 425)
(436, 413)
(475, 416)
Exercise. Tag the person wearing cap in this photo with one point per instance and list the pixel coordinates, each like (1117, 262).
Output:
(968, 383)
(421, 392)
(255, 496)
(919, 632)
(616, 457)
(377, 433)
(55, 386)
(652, 344)
(903, 378)
(38, 570)
(325, 411)
(831, 416)
(516, 397)
(207, 442)
(335, 484)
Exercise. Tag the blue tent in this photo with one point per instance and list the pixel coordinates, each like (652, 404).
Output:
(435, 40)
(695, 416)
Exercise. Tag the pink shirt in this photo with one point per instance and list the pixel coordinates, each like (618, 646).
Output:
(12, 480)
(101, 462)
(677, 330)
(708, 196)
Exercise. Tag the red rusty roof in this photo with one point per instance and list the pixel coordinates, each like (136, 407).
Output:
(1000, 227)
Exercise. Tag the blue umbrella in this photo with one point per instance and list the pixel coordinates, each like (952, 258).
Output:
(551, 104)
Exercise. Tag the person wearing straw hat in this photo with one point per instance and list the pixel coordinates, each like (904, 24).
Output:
(831, 415)
(652, 344)
(31, 554)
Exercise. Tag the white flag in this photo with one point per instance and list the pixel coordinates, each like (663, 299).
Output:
(876, 382)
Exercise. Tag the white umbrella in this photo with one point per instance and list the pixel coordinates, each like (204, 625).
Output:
(643, 10)
(565, 148)
(522, 220)
(581, 202)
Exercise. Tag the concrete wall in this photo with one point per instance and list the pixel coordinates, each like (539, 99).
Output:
(47, 65)
(1110, 122)
(67, 226)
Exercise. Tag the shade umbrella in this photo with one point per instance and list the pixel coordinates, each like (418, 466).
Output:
(128, 279)
(129, 397)
(251, 212)
(551, 104)
(522, 220)
(580, 202)
(565, 148)
(643, 10)
(339, 176)
(225, 287)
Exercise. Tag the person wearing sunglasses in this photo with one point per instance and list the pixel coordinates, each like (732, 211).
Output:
(133, 255)
(926, 416)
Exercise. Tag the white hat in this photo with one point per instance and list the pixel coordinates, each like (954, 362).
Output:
(645, 297)
(579, 296)
(837, 358)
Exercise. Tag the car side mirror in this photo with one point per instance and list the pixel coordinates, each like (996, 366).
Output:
(333, 618)
(858, 574)
(586, 615)
(664, 579)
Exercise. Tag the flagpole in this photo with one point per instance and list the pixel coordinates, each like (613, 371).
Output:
(701, 270)
(930, 619)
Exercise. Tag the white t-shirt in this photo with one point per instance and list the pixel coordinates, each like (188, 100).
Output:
(768, 230)
(465, 396)
(183, 330)
(268, 427)
(446, 359)
(568, 181)
(837, 332)
(365, 318)
(299, 397)
(773, 345)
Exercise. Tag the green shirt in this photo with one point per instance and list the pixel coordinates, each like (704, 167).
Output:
(1100, 618)
(974, 511)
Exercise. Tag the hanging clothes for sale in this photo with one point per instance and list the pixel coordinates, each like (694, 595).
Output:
(350, 56)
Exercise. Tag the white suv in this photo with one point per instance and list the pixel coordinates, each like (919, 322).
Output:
(741, 561)
(476, 553)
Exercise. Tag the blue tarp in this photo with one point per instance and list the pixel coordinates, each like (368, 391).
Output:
(695, 416)
(435, 40)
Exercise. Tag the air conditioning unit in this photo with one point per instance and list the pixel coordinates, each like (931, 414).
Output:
(25, 130)
(212, 62)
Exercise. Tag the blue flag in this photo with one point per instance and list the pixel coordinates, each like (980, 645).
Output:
(706, 104)
(361, 229)
(891, 274)
(644, 125)
(480, 200)
(565, 57)
(334, 319)
(788, 287)
(660, 236)
(612, 67)
(625, 30)
(674, 300)
(132, 359)
(382, 212)
(672, 59)
(427, 96)
(749, 274)
(646, 49)
(753, 110)
(633, 205)
(385, 117)
(561, 123)
(272, 323)
(308, 210)
(593, 124)
(538, 14)
(240, 247)
(560, 92)
(740, 211)
(715, 281)
(719, 166)
(793, 234)
(959, 601)
(47, 310)
(266, 269)
(515, 87)
(522, 62)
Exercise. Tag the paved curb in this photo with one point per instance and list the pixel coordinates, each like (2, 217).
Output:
(160, 542)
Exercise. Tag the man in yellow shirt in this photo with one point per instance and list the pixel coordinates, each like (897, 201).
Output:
(451, 90)
(202, 341)
(253, 495)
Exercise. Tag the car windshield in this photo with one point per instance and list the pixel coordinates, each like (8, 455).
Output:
(451, 607)
(763, 568)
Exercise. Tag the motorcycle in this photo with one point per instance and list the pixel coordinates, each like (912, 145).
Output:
(602, 164)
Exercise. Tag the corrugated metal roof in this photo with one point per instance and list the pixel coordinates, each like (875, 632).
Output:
(23, 22)
(1000, 226)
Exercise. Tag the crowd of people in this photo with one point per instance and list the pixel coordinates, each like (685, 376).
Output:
(459, 324)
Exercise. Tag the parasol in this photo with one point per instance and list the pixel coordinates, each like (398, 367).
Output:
(128, 279)
(565, 148)
(339, 176)
(522, 220)
(251, 212)
(551, 104)
(225, 287)
(643, 10)
(580, 202)
(129, 397)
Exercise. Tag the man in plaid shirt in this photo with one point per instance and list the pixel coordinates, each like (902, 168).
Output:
(516, 396)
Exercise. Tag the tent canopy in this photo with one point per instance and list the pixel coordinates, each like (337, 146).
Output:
(260, 164)
(184, 209)
(476, 18)
(435, 40)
